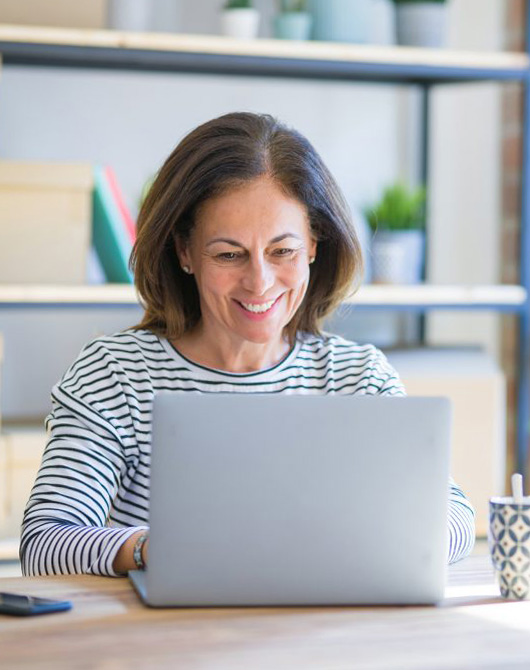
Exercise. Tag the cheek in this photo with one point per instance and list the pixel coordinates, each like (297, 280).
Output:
(216, 280)
(297, 272)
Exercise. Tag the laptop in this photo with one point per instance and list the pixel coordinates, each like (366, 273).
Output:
(271, 500)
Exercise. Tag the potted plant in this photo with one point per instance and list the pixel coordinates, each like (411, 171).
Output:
(240, 19)
(293, 22)
(421, 23)
(398, 224)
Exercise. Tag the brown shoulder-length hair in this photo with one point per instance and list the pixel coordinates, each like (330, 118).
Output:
(222, 154)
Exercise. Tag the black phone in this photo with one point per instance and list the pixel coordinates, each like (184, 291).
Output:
(21, 605)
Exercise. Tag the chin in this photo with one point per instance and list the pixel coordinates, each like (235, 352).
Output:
(263, 336)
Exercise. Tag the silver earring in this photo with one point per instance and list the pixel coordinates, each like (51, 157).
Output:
(311, 260)
(186, 269)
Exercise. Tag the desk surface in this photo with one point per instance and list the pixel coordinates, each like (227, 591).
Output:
(108, 628)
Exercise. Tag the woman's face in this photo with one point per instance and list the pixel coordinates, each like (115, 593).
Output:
(249, 252)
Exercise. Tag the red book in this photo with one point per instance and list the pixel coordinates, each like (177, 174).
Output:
(128, 221)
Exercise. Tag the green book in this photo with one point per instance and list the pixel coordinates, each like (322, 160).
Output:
(109, 233)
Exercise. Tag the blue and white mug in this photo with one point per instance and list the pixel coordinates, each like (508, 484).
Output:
(509, 544)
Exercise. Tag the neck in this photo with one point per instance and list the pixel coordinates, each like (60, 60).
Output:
(239, 357)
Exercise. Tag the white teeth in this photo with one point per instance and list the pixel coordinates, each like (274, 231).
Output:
(258, 308)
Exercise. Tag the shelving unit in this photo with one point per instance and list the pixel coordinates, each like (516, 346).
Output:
(419, 297)
(275, 58)
(65, 48)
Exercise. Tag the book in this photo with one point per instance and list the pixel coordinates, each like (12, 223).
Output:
(128, 220)
(110, 234)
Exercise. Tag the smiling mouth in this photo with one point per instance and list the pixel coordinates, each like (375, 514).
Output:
(258, 308)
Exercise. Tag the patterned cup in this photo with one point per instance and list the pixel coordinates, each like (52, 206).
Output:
(509, 544)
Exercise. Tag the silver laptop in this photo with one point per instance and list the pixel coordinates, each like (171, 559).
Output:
(297, 500)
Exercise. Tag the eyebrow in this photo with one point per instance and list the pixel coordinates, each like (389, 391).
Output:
(234, 243)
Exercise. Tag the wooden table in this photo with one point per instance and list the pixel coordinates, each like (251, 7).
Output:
(109, 629)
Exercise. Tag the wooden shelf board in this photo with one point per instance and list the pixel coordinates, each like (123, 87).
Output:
(371, 295)
(436, 295)
(104, 294)
(20, 44)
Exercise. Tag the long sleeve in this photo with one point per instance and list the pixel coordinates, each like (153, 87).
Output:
(84, 466)
(461, 520)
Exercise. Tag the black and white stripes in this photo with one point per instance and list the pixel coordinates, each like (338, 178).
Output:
(92, 489)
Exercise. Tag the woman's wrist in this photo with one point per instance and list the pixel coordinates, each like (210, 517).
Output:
(139, 550)
(124, 560)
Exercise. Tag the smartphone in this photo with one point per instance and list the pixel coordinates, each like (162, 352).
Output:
(20, 605)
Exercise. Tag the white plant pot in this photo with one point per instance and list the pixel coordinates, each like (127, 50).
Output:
(397, 257)
(129, 14)
(240, 23)
(422, 24)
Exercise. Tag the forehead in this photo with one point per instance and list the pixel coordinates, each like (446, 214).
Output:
(259, 207)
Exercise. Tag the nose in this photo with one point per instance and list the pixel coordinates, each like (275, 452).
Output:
(258, 277)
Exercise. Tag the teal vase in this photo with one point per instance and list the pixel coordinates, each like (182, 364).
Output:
(293, 26)
(341, 20)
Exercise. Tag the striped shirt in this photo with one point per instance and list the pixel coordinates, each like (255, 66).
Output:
(92, 489)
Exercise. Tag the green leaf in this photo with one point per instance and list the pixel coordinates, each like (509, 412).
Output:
(399, 208)
(238, 4)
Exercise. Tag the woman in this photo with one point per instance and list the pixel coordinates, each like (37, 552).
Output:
(244, 246)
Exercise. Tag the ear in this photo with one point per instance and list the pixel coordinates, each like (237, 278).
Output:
(183, 252)
(312, 248)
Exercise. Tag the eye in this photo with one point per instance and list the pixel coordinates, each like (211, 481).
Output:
(284, 252)
(227, 256)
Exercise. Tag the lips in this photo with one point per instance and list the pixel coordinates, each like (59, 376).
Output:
(258, 309)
